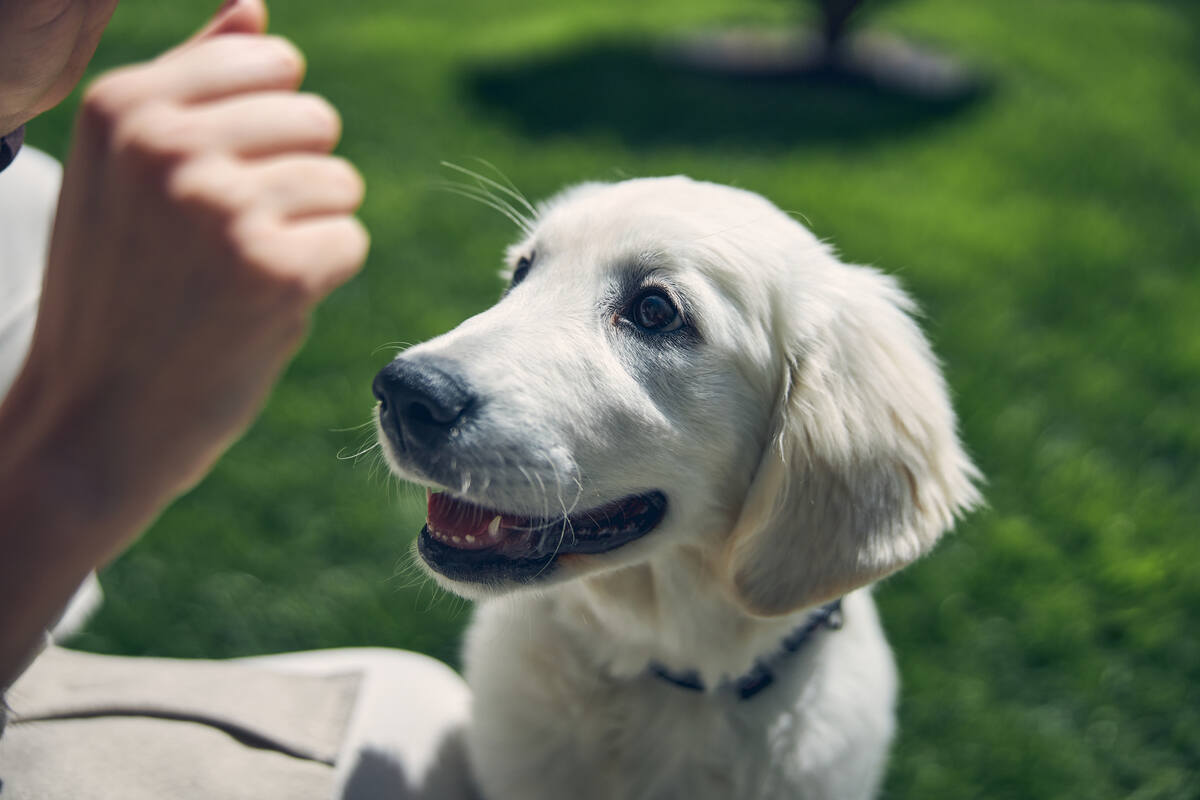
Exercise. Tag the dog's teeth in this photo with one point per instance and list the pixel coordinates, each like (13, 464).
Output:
(457, 540)
(470, 539)
(494, 527)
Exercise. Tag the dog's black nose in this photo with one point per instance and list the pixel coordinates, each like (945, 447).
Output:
(418, 402)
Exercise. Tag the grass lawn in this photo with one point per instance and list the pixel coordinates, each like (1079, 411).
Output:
(1050, 230)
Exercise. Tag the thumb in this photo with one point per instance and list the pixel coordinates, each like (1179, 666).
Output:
(235, 16)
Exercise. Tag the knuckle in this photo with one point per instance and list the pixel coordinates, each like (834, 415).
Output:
(253, 238)
(347, 180)
(212, 182)
(271, 262)
(108, 98)
(284, 56)
(154, 136)
(321, 117)
(348, 251)
(358, 242)
(299, 270)
(266, 55)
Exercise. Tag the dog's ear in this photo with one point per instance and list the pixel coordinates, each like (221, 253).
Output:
(863, 471)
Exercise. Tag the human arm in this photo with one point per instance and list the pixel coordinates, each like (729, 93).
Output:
(201, 220)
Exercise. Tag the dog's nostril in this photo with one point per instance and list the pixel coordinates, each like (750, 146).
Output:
(420, 401)
(420, 414)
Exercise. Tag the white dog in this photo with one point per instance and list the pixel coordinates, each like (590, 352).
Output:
(685, 433)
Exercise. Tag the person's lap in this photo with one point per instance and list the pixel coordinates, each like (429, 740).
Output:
(354, 724)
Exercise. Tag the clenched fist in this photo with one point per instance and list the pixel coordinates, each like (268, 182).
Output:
(201, 219)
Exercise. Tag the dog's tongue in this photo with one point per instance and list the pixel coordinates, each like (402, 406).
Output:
(463, 525)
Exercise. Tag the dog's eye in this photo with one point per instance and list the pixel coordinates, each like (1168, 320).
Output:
(653, 311)
(522, 269)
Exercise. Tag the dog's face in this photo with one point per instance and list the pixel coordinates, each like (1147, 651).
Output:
(633, 390)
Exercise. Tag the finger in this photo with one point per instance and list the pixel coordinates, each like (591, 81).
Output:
(300, 186)
(234, 16)
(223, 66)
(262, 124)
(325, 251)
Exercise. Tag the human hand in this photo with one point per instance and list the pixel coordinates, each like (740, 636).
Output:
(201, 220)
(44, 47)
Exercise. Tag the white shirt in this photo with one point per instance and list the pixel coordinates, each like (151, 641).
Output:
(28, 197)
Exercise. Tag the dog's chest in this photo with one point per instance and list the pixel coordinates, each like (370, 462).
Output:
(548, 725)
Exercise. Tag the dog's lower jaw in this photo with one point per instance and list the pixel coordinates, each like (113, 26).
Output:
(555, 716)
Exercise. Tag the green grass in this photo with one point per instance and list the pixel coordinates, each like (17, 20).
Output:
(1050, 229)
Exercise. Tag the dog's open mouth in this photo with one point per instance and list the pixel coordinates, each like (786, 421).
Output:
(467, 542)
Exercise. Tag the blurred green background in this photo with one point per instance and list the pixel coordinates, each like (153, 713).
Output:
(1050, 229)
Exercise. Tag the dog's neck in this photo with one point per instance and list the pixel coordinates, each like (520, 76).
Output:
(669, 612)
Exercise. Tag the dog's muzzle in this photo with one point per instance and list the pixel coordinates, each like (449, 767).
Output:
(423, 409)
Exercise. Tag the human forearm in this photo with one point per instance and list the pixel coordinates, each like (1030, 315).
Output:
(201, 220)
(52, 532)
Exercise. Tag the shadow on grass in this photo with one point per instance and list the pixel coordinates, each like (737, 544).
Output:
(647, 99)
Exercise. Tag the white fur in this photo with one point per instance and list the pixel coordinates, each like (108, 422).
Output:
(806, 445)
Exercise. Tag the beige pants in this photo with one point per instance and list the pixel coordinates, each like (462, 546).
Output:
(354, 724)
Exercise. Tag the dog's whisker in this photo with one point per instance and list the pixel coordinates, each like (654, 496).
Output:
(480, 196)
(558, 547)
(399, 346)
(363, 450)
(798, 214)
(507, 182)
(544, 495)
(578, 492)
(509, 190)
(495, 191)
(479, 191)
(379, 469)
(352, 428)
(573, 474)
(408, 570)
(558, 488)
(525, 473)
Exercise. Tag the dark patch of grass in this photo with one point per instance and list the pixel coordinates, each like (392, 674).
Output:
(636, 91)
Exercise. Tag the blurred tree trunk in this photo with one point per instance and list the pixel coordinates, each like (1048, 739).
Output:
(835, 23)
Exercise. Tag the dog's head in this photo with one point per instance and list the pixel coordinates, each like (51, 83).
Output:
(678, 364)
